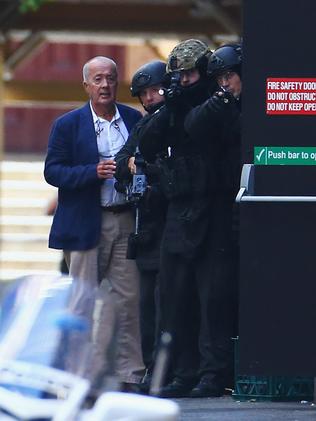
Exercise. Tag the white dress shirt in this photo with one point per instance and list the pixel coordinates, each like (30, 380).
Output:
(111, 136)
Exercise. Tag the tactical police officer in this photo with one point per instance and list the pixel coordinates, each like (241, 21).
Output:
(186, 183)
(146, 85)
(217, 122)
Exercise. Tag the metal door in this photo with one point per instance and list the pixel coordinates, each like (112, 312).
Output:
(278, 191)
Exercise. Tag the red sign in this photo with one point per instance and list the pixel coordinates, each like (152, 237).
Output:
(291, 96)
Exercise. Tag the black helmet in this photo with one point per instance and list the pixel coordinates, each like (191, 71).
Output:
(149, 74)
(226, 57)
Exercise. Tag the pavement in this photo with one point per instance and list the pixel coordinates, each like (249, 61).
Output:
(228, 409)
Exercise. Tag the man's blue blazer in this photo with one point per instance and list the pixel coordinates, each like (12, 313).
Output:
(70, 165)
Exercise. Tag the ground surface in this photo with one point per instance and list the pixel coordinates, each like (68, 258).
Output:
(227, 409)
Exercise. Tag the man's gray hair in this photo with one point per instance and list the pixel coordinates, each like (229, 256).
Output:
(86, 67)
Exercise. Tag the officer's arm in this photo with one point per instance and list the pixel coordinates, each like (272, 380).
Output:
(197, 122)
(122, 157)
(209, 116)
(152, 134)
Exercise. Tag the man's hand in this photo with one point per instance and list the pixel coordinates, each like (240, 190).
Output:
(106, 169)
(131, 165)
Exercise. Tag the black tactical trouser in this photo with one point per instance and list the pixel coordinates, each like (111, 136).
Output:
(180, 315)
(212, 273)
(149, 314)
(217, 274)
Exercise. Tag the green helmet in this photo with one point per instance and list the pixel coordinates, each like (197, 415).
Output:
(187, 55)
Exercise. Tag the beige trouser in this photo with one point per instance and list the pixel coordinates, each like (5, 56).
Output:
(105, 273)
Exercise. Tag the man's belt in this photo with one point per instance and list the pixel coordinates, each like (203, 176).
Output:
(117, 208)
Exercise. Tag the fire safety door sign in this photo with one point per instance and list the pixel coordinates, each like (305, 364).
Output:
(288, 96)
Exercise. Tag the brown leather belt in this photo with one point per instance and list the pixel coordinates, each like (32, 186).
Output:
(117, 208)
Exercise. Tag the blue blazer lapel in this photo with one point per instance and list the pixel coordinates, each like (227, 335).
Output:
(87, 121)
(87, 131)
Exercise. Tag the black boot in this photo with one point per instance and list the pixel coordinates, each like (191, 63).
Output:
(178, 388)
(207, 388)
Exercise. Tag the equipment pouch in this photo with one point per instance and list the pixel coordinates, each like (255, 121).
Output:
(175, 178)
(186, 227)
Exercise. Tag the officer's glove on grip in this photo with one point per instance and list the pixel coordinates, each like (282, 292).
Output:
(219, 101)
(173, 98)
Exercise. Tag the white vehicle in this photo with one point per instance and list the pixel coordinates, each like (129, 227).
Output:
(36, 330)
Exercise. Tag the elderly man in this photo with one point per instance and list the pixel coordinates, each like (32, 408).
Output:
(92, 221)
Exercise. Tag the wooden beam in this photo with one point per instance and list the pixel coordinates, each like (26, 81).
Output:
(25, 49)
(213, 9)
(128, 18)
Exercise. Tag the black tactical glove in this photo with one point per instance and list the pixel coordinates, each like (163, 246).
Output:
(219, 101)
(173, 97)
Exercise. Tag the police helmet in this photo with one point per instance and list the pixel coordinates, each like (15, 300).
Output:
(188, 54)
(224, 58)
(149, 74)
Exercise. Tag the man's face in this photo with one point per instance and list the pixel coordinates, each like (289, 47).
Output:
(188, 77)
(231, 82)
(150, 96)
(101, 85)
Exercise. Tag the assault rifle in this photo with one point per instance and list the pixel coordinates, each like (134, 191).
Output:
(172, 92)
(135, 191)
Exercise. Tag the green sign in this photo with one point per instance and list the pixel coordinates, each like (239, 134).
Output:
(284, 155)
